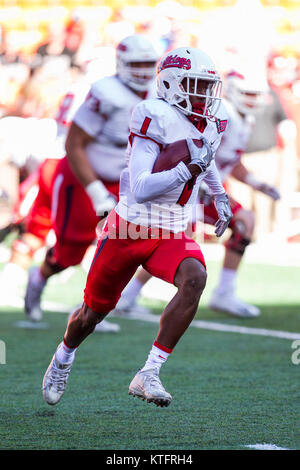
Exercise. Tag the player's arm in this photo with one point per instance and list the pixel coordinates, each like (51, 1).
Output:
(241, 173)
(213, 181)
(87, 124)
(76, 142)
(146, 185)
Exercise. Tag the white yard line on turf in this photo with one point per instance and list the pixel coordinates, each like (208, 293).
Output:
(205, 325)
(266, 447)
(18, 302)
(209, 325)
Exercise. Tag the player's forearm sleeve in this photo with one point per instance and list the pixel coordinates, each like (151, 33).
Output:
(145, 185)
(213, 180)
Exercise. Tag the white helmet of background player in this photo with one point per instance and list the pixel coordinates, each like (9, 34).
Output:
(187, 72)
(246, 92)
(131, 52)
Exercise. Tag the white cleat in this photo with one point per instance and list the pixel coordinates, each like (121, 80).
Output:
(147, 386)
(230, 304)
(55, 381)
(33, 297)
(107, 327)
(127, 309)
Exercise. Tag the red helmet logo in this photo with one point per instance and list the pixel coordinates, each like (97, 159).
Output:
(175, 61)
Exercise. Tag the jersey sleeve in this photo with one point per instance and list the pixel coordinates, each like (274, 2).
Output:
(94, 111)
(213, 180)
(145, 185)
(88, 117)
(152, 120)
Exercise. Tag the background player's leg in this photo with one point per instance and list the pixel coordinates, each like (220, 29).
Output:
(224, 296)
(128, 300)
(57, 259)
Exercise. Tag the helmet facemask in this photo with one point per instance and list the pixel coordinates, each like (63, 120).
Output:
(248, 95)
(136, 62)
(137, 75)
(188, 80)
(202, 96)
(248, 102)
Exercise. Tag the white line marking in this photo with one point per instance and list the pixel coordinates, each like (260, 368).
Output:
(208, 325)
(18, 302)
(150, 317)
(31, 325)
(245, 330)
(266, 447)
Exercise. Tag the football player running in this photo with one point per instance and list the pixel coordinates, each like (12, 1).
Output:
(148, 224)
(245, 96)
(86, 182)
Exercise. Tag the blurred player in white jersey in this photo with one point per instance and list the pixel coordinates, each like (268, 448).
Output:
(37, 221)
(148, 224)
(32, 212)
(33, 209)
(86, 182)
(245, 96)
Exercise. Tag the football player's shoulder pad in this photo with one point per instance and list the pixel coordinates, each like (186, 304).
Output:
(109, 92)
(155, 119)
(223, 112)
(221, 119)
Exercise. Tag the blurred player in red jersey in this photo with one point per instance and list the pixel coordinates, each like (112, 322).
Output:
(148, 224)
(86, 182)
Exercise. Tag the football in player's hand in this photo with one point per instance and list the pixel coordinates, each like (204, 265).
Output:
(173, 154)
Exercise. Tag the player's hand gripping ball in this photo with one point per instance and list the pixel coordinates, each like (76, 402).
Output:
(173, 154)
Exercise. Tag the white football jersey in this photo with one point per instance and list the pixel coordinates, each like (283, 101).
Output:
(162, 123)
(70, 103)
(105, 115)
(234, 140)
(66, 111)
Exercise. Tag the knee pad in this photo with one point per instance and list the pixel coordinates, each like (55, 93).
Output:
(237, 243)
(51, 261)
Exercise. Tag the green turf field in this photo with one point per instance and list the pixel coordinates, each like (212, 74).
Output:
(229, 390)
